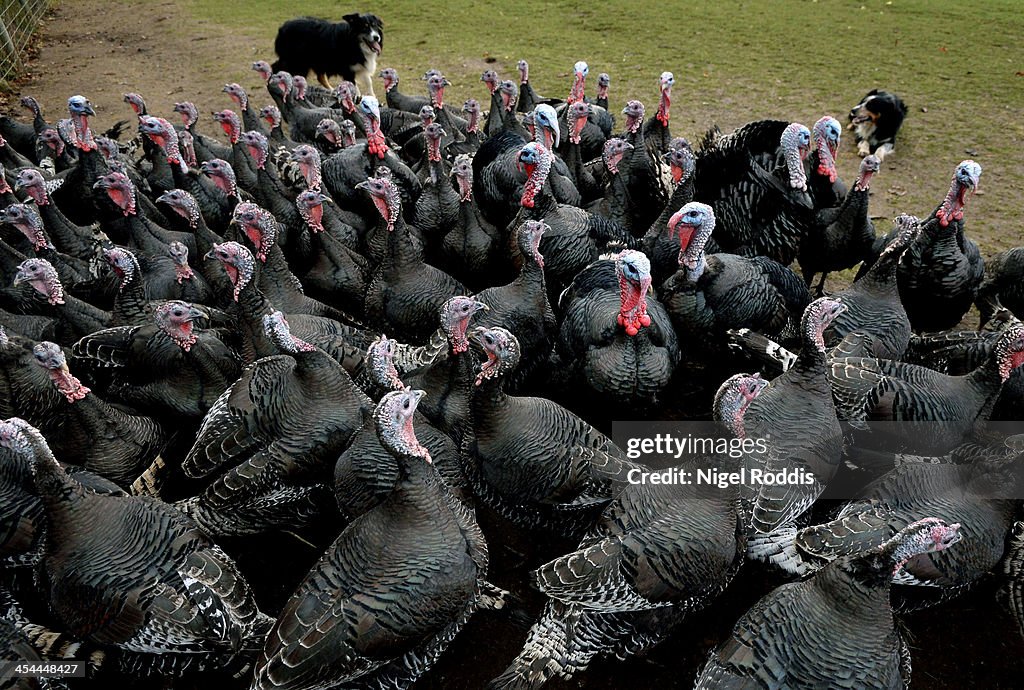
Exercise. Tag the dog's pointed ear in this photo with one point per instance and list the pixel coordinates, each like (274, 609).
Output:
(351, 18)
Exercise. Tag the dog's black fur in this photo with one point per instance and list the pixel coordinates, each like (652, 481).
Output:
(875, 122)
(346, 49)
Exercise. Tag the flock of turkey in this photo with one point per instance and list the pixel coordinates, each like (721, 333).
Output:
(388, 319)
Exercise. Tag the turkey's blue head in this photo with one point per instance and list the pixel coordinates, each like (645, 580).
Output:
(665, 102)
(308, 160)
(546, 119)
(262, 68)
(733, 398)
(827, 132)
(455, 316)
(237, 93)
(182, 203)
(26, 219)
(580, 72)
(271, 114)
(42, 276)
(613, 151)
(680, 159)
(524, 71)
(258, 225)
(634, 112)
(633, 269)
(137, 103)
(385, 197)
(796, 144)
(501, 349)
(375, 144)
(965, 183)
(472, 109)
(535, 160)
(258, 147)
(175, 318)
(435, 88)
(221, 174)
(490, 77)
(188, 111)
(275, 325)
(390, 77)
(693, 223)
(603, 82)
(230, 123)
(51, 358)
(924, 536)
(381, 358)
(817, 317)
(394, 419)
(310, 204)
(120, 190)
(238, 264)
(81, 109)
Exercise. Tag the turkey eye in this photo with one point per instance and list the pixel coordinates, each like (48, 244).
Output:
(405, 404)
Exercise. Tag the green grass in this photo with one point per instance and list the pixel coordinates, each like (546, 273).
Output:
(736, 61)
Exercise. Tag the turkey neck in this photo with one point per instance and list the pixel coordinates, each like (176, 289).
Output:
(130, 302)
(61, 495)
(246, 175)
(252, 305)
(618, 198)
(64, 233)
(403, 251)
(10, 259)
(987, 382)
(681, 195)
(860, 587)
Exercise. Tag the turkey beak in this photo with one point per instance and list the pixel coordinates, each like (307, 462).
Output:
(324, 199)
(209, 255)
(418, 394)
(197, 313)
(363, 185)
(673, 223)
(163, 198)
(480, 306)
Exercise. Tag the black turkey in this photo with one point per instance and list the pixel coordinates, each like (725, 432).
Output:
(833, 630)
(272, 437)
(134, 574)
(941, 270)
(614, 340)
(393, 590)
(656, 553)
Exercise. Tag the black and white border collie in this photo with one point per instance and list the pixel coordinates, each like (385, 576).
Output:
(875, 121)
(348, 49)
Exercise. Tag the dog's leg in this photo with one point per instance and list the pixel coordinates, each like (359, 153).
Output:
(324, 82)
(364, 82)
(884, 150)
(863, 148)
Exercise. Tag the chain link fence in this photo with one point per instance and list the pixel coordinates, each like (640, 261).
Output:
(18, 19)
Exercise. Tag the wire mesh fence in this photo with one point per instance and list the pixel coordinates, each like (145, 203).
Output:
(18, 19)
